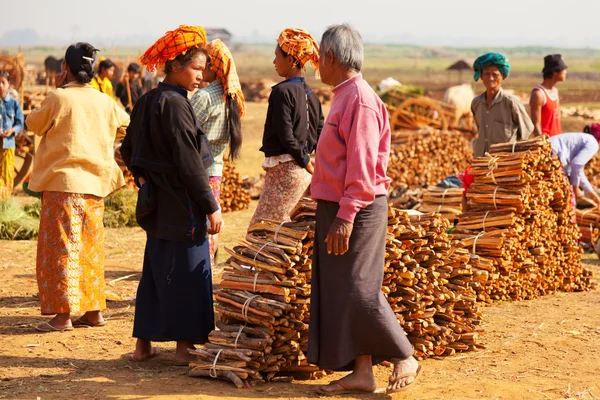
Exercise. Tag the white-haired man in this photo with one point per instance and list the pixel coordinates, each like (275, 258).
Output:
(352, 326)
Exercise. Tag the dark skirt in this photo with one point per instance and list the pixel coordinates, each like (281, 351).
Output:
(174, 299)
(349, 315)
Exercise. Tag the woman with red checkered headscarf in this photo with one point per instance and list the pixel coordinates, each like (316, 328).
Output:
(293, 125)
(219, 108)
(168, 155)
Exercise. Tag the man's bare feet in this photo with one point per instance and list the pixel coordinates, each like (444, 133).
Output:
(182, 356)
(144, 351)
(404, 374)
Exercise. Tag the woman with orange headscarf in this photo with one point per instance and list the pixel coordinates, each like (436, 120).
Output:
(168, 155)
(219, 107)
(293, 125)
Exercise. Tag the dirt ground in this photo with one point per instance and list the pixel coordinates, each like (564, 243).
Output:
(540, 349)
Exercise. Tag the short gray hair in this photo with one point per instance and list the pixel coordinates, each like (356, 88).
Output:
(345, 43)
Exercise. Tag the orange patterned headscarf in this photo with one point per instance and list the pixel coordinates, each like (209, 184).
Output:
(221, 62)
(172, 44)
(300, 44)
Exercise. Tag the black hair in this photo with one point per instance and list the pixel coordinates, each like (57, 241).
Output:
(104, 65)
(548, 74)
(134, 67)
(587, 129)
(297, 63)
(234, 127)
(80, 58)
(5, 74)
(184, 59)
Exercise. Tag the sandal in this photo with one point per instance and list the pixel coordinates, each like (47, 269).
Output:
(153, 353)
(415, 374)
(80, 322)
(345, 390)
(46, 327)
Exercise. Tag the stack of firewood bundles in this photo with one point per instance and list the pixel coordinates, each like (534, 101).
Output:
(233, 196)
(592, 170)
(263, 305)
(520, 217)
(446, 201)
(429, 284)
(588, 221)
(426, 157)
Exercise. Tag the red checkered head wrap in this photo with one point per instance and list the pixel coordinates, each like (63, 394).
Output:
(301, 45)
(221, 62)
(172, 44)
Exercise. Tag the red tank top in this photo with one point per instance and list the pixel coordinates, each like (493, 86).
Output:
(550, 113)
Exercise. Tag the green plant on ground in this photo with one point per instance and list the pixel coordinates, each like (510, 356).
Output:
(119, 209)
(16, 223)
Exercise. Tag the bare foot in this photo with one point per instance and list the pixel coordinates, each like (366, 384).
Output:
(360, 382)
(405, 372)
(182, 356)
(144, 351)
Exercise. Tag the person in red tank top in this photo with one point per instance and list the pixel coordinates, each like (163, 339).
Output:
(544, 102)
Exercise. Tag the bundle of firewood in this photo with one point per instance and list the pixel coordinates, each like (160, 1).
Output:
(233, 196)
(263, 305)
(258, 90)
(588, 221)
(446, 201)
(429, 284)
(520, 217)
(426, 157)
(404, 197)
(592, 170)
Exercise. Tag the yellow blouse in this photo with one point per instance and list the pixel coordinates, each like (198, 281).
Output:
(78, 126)
(104, 85)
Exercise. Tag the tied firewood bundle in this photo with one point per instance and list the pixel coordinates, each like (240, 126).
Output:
(233, 196)
(520, 218)
(421, 158)
(592, 170)
(588, 221)
(446, 201)
(263, 305)
(429, 285)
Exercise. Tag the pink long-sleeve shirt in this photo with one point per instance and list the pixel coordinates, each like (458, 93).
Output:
(353, 149)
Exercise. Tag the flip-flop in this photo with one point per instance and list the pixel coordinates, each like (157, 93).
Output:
(46, 327)
(153, 353)
(416, 375)
(345, 390)
(79, 323)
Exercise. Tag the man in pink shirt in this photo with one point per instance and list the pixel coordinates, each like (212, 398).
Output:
(352, 326)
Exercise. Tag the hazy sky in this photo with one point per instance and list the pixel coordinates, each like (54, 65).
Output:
(442, 22)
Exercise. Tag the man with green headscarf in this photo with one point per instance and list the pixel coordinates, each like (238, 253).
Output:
(500, 116)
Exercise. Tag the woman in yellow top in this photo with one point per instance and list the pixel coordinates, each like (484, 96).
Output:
(75, 169)
(102, 81)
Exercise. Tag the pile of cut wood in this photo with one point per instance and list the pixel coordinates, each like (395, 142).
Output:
(592, 170)
(422, 158)
(520, 217)
(588, 221)
(446, 201)
(258, 91)
(233, 196)
(263, 305)
(429, 284)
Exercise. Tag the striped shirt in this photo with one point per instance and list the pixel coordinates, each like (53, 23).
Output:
(209, 107)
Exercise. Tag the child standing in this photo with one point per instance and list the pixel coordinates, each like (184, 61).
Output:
(218, 108)
(11, 123)
(294, 123)
(128, 99)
